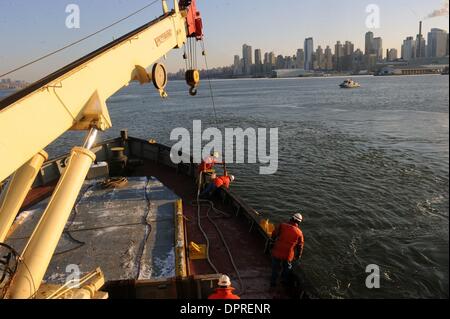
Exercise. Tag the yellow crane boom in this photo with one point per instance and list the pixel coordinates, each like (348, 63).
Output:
(73, 98)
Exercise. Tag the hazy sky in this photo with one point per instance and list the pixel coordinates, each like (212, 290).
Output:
(30, 28)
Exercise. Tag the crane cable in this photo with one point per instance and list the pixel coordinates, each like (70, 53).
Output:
(211, 92)
(79, 41)
(198, 202)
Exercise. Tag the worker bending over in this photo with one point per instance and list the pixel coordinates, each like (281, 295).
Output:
(216, 183)
(288, 247)
(224, 291)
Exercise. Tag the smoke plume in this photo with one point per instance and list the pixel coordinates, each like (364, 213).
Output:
(443, 11)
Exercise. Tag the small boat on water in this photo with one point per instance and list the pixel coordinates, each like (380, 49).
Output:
(349, 84)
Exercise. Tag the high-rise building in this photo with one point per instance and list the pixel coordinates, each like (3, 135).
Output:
(320, 58)
(347, 60)
(272, 58)
(266, 58)
(338, 56)
(349, 48)
(328, 58)
(280, 64)
(392, 55)
(258, 61)
(437, 43)
(309, 50)
(237, 67)
(266, 66)
(300, 59)
(289, 62)
(448, 47)
(420, 47)
(378, 48)
(370, 62)
(258, 56)
(420, 44)
(357, 61)
(369, 43)
(409, 49)
(247, 59)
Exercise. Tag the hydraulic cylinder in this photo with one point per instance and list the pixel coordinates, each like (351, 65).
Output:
(41, 246)
(13, 196)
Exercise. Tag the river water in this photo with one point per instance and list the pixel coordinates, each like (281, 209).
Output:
(368, 168)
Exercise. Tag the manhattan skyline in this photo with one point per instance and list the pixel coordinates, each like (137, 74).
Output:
(270, 26)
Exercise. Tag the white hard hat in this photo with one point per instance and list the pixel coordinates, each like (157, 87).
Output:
(232, 178)
(298, 217)
(215, 154)
(224, 281)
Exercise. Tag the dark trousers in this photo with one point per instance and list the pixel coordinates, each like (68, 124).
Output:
(285, 267)
(209, 190)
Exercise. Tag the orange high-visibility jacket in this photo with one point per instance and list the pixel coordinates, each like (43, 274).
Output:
(224, 293)
(222, 181)
(207, 164)
(288, 237)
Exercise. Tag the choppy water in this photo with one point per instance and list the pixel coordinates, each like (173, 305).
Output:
(369, 169)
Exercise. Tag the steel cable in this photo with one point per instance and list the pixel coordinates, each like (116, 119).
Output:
(78, 41)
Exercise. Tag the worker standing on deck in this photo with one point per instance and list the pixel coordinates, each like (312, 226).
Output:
(288, 247)
(224, 291)
(216, 183)
(208, 162)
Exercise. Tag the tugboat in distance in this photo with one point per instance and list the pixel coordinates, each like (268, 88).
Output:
(349, 84)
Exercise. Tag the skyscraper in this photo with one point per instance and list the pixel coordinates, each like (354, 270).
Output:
(420, 44)
(392, 55)
(237, 67)
(247, 59)
(437, 43)
(357, 61)
(369, 43)
(409, 49)
(328, 58)
(266, 62)
(258, 56)
(377, 46)
(338, 56)
(348, 50)
(258, 61)
(309, 50)
(272, 58)
(320, 58)
(280, 63)
(300, 58)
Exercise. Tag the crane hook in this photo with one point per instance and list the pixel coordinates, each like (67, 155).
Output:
(193, 91)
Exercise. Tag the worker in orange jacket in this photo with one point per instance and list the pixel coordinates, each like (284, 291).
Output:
(208, 162)
(224, 291)
(206, 169)
(289, 242)
(218, 182)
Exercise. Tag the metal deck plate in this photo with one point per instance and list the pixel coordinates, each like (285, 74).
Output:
(128, 232)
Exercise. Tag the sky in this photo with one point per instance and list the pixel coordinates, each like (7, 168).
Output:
(30, 29)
